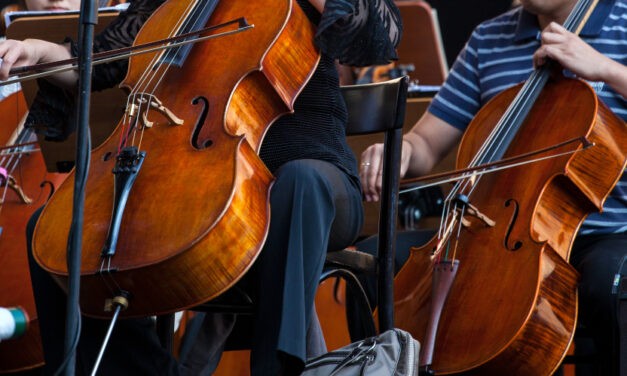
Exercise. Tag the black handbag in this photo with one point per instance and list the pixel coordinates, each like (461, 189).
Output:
(394, 352)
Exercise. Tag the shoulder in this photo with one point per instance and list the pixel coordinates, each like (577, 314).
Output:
(506, 23)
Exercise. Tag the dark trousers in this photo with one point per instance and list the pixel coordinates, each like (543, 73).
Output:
(314, 207)
(598, 259)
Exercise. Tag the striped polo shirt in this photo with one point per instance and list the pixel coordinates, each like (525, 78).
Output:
(498, 55)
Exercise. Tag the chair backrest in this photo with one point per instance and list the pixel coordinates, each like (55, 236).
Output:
(380, 107)
(375, 107)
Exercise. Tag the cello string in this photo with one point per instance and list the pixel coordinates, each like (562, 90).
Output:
(531, 85)
(135, 100)
(487, 152)
(10, 164)
(149, 75)
(536, 83)
(487, 149)
(495, 139)
(512, 116)
(191, 22)
(157, 76)
(507, 125)
(164, 62)
(138, 91)
(13, 156)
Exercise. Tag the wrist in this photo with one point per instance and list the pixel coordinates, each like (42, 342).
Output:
(407, 152)
(615, 75)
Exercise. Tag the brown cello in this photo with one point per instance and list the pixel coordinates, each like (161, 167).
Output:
(493, 292)
(196, 214)
(25, 187)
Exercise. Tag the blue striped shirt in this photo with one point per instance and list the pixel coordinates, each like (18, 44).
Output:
(498, 55)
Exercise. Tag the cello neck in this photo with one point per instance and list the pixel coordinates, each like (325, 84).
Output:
(579, 15)
(517, 112)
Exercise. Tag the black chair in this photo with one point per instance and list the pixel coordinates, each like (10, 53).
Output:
(375, 108)
(587, 359)
(372, 108)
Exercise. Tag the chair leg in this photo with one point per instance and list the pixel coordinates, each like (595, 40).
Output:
(365, 327)
(165, 331)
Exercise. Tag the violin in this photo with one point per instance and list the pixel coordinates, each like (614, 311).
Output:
(493, 292)
(185, 211)
(25, 187)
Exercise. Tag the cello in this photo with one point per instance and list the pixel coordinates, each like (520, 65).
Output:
(25, 187)
(155, 237)
(493, 292)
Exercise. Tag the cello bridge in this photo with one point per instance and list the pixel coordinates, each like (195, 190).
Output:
(11, 183)
(145, 102)
(473, 211)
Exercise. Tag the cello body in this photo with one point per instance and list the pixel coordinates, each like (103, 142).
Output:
(197, 214)
(30, 175)
(512, 307)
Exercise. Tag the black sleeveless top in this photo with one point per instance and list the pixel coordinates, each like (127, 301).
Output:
(355, 32)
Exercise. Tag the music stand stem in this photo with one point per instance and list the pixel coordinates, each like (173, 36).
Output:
(87, 21)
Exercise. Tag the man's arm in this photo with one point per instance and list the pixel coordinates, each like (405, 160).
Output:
(425, 145)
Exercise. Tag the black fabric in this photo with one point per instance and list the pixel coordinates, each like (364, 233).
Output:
(322, 208)
(324, 212)
(51, 112)
(359, 32)
(620, 288)
(598, 259)
(203, 343)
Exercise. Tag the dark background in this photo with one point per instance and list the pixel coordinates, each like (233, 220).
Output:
(459, 17)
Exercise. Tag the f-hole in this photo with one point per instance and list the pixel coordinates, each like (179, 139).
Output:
(508, 243)
(201, 120)
(47, 183)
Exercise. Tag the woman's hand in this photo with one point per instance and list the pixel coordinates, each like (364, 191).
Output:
(371, 169)
(16, 53)
(429, 140)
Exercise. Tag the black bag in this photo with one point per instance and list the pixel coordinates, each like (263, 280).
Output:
(394, 352)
